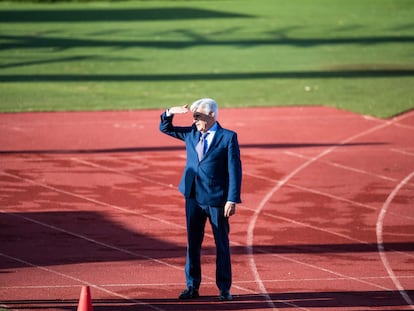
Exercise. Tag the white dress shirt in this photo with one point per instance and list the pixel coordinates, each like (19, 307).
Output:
(211, 132)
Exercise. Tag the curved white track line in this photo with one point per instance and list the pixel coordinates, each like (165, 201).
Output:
(253, 221)
(380, 242)
(252, 224)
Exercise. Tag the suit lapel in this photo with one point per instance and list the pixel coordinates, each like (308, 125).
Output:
(196, 138)
(215, 140)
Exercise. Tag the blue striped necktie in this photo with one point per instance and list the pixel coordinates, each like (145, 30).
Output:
(201, 147)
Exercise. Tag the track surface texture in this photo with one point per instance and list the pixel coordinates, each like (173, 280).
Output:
(90, 198)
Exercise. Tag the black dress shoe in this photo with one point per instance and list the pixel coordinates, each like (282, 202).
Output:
(189, 293)
(225, 295)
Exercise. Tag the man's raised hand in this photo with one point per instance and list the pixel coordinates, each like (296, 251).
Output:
(178, 109)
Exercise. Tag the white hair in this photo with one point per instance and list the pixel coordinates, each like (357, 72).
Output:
(207, 105)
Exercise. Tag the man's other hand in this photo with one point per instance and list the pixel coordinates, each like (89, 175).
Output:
(178, 109)
(229, 209)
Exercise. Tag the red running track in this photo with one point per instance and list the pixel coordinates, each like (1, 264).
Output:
(90, 198)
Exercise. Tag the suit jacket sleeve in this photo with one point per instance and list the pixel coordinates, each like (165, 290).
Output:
(235, 171)
(167, 127)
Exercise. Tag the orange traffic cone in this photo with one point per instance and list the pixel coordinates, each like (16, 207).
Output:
(85, 301)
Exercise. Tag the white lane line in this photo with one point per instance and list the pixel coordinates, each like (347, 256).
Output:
(325, 194)
(344, 236)
(318, 192)
(340, 275)
(167, 285)
(345, 167)
(84, 198)
(405, 126)
(148, 180)
(252, 224)
(403, 151)
(380, 241)
(82, 282)
(84, 237)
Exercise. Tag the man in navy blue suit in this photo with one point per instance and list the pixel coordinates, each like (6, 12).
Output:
(211, 185)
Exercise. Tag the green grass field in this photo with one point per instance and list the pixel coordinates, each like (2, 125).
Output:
(356, 55)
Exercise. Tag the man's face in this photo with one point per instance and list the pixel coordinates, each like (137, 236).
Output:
(203, 121)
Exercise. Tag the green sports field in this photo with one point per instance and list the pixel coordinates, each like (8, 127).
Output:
(356, 55)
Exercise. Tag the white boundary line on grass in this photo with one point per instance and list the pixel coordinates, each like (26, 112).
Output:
(380, 242)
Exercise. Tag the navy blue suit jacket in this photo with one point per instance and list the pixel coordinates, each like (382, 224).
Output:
(217, 177)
